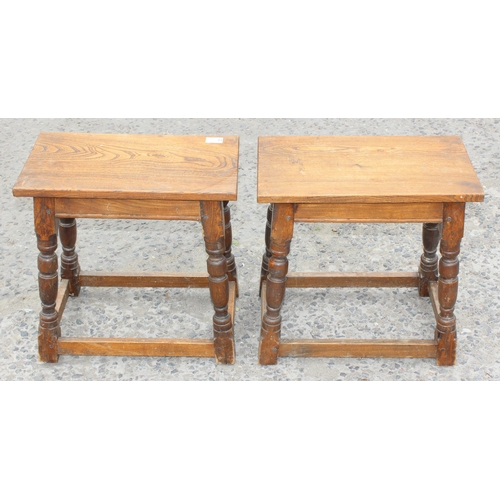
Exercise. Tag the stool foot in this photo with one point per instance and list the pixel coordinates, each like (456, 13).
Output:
(446, 349)
(269, 346)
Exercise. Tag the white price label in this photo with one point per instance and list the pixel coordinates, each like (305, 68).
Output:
(214, 140)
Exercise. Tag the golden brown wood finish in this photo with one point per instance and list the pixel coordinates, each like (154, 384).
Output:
(359, 348)
(232, 301)
(127, 209)
(131, 177)
(62, 297)
(368, 179)
(315, 280)
(366, 169)
(433, 294)
(79, 346)
(128, 166)
(153, 280)
(369, 212)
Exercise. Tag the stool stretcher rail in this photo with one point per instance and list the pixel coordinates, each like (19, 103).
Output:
(62, 297)
(158, 280)
(354, 348)
(433, 294)
(85, 346)
(78, 346)
(326, 280)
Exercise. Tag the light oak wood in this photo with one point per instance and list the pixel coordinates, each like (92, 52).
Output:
(369, 212)
(79, 346)
(365, 169)
(130, 166)
(131, 177)
(62, 297)
(319, 280)
(127, 209)
(367, 179)
(354, 348)
(433, 294)
(232, 300)
(263, 303)
(153, 280)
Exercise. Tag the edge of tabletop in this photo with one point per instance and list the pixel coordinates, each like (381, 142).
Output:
(118, 195)
(29, 192)
(361, 200)
(477, 196)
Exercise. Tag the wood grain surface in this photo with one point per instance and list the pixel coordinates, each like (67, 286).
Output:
(80, 346)
(369, 212)
(345, 280)
(153, 280)
(71, 165)
(103, 208)
(354, 348)
(62, 297)
(365, 169)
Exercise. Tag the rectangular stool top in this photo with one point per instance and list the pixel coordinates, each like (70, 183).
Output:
(365, 169)
(182, 167)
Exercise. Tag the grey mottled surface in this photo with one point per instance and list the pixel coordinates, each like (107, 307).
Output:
(308, 313)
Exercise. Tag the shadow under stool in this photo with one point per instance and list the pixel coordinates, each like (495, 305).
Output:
(426, 179)
(120, 176)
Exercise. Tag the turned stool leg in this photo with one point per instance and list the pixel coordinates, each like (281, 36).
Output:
(46, 233)
(212, 219)
(267, 253)
(446, 334)
(70, 268)
(428, 270)
(231, 265)
(279, 245)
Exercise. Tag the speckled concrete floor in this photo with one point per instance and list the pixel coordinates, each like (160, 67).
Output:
(308, 313)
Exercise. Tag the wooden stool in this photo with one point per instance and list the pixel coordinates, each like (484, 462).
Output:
(365, 179)
(131, 177)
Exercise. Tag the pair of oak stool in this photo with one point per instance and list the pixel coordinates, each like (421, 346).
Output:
(424, 179)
